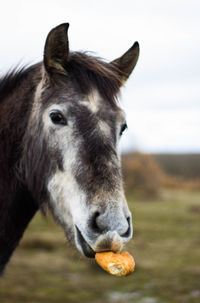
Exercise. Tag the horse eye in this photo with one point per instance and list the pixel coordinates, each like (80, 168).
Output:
(57, 118)
(123, 128)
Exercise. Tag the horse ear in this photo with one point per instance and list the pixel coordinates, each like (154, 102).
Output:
(56, 50)
(126, 63)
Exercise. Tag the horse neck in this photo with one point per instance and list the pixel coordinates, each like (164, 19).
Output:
(15, 215)
(17, 207)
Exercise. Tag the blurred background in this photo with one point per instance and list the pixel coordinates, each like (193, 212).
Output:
(160, 151)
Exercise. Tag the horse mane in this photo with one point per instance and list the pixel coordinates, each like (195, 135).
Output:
(12, 79)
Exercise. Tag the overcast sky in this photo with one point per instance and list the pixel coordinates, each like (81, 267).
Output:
(162, 96)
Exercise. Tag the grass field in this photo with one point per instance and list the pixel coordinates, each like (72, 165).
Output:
(166, 247)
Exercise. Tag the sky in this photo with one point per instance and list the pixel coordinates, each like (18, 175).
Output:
(161, 98)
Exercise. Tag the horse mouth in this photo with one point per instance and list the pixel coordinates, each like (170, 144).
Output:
(86, 248)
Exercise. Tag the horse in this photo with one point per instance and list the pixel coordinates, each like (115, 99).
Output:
(60, 126)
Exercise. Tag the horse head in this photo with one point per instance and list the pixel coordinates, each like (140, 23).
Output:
(73, 134)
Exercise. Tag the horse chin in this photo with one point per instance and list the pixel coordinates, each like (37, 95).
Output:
(82, 245)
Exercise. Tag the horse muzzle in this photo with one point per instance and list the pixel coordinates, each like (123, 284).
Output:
(90, 242)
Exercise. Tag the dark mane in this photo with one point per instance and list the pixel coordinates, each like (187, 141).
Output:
(12, 79)
(92, 72)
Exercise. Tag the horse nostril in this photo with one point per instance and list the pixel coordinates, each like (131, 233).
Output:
(94, 224)
(128, 232)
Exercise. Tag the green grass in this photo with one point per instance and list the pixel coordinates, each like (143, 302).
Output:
(166, 247)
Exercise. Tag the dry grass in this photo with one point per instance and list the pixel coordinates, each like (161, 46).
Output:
(142, 174)
(148, 174)
(180, 183)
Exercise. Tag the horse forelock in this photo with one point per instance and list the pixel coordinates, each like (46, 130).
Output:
(88, 73)
(92, 72)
